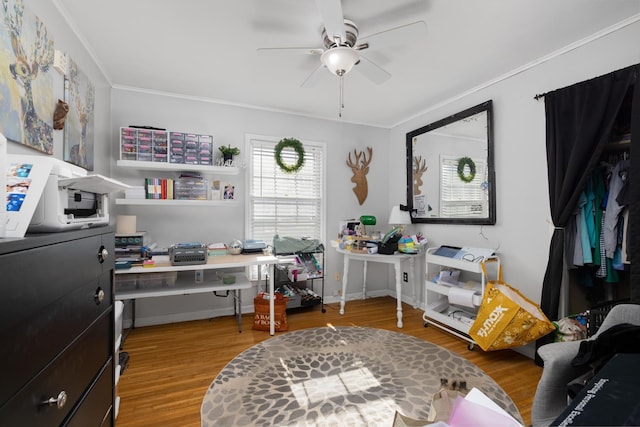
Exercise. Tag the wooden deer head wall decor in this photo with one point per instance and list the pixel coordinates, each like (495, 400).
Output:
(419, 167)
(360, 169)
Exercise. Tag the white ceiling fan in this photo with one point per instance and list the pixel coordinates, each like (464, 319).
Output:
(342, 47)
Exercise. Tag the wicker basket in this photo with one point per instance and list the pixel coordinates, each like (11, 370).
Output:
(596, 315)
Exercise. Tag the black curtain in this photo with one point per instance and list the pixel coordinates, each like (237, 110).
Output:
(579, 120)
(634, 206)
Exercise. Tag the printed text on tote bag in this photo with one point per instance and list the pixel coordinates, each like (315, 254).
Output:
(494, 318)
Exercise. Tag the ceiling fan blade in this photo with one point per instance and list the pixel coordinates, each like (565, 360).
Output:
(313, 78)
(332, 18)
(290, 51)
(394, 36)
(372, 71)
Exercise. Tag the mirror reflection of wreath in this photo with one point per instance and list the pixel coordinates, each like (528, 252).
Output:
(462, 163)
(297, 147)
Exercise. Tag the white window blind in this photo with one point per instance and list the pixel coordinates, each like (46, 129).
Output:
(285, 204)
(459, 198)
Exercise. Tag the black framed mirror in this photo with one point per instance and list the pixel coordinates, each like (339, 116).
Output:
(450, 171)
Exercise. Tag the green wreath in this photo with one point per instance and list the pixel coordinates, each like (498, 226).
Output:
(466, 161)
(297, 147)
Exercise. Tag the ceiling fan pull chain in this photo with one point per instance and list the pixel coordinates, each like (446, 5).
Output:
(341, 94)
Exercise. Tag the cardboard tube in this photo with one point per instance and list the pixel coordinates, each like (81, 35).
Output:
(463, 297)
(126, 224)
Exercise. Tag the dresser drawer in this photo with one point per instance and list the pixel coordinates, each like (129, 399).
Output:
(49, 331)
(37, 278)
(72, 372)
(95, 408)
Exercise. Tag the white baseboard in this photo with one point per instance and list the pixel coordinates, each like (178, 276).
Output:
(183, 317)
(228, 311)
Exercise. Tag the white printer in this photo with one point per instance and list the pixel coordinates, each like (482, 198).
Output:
(45, 194)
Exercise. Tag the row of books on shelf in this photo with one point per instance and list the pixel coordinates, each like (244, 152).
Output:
(186, 187)
(159, 188)
(183, 188)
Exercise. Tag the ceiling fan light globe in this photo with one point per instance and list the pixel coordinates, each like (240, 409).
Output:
(340, 60)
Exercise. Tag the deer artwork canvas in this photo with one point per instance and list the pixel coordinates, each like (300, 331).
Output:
(419, 167)
(27, 101)
(360, 167)
(78, 133)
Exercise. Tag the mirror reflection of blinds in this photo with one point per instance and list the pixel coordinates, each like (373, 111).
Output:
(281, 203)
(459, 198)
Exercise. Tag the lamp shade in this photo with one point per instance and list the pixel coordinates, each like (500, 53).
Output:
(399, 217)
(340, 60)
(368, 219)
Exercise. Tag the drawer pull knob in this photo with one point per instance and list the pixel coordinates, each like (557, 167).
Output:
(59, 401)
(99, 296)
(103, 255)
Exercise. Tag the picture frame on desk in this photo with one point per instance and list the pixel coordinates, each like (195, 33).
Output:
(229, 191)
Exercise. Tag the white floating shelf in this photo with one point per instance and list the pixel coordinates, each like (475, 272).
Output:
(220, 170)
(169, 202)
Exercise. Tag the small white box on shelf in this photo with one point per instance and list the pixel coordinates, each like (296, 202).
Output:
(216, 190)
(449, 276)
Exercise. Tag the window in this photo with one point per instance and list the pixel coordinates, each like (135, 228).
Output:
(459, 198)
(285, 204)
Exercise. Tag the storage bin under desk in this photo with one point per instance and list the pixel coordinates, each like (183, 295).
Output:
(130, 282)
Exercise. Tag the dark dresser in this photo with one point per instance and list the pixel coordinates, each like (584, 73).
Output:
(57, 329)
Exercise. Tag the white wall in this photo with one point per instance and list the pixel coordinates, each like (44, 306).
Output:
(229, 124)
(523, 229)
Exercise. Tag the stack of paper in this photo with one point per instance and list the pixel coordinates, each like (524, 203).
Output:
(135, 192)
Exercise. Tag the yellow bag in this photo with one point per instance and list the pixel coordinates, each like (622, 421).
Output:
(506, 318)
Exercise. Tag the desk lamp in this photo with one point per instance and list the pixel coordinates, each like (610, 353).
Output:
(400, 217)
(367, 220)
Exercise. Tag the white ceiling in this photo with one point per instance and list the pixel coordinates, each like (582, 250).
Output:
(207, 48)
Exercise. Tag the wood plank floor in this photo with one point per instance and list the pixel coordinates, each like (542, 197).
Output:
(171, 366)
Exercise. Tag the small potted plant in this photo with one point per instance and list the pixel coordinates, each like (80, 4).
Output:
(228, 152)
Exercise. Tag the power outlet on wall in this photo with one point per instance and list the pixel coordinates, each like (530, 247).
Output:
(337, 277)
(405, 276)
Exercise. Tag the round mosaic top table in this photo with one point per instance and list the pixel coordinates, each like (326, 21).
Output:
(342, 376)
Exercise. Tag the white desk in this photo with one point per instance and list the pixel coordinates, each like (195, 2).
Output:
(214, 262)
(397, 260)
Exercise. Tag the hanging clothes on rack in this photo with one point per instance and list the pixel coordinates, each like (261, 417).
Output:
(617, 184)
(597, 232)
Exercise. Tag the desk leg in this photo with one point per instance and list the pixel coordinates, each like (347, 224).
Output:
(364, 281)
(399, 291)
(272, 327)
(345, 276)
(412, 269)
(239, 298)
(133, 313)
